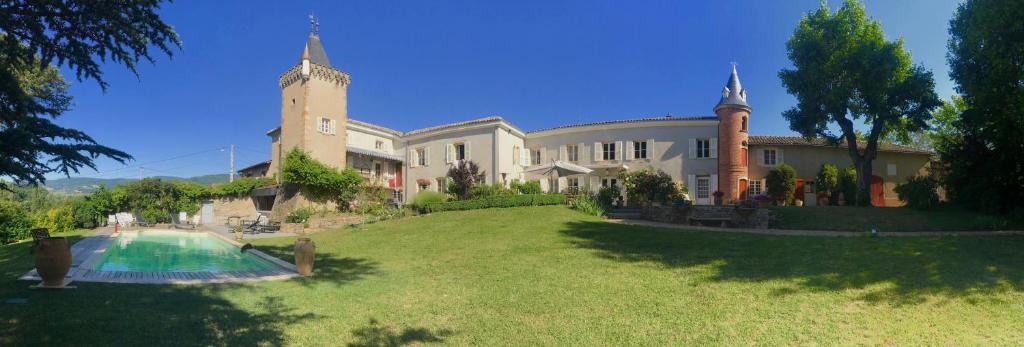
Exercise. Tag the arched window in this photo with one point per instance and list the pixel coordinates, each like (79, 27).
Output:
(743, 125)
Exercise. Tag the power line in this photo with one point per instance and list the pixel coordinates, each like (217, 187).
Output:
(139, 165)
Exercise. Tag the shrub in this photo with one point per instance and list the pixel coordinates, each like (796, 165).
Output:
(781, 182)
(241, 186)
(425, 198)
(847, 184)
(15, 223)
(497, 201)
(648, 185)
(463, 176)
(322, 182)
(482, 190)
(827, 179)
(58, 220)
(606, 196)
(528, 187)
(300, 215)
(587, 204)
(371, 199)
(85, 213)
(919, 192)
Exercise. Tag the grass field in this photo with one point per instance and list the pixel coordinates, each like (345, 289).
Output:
(551, 276)
(853, 218)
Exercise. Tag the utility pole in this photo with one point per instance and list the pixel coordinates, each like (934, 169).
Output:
(231, 175)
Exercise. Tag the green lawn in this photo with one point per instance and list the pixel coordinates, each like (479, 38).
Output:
(551, 276)
(852, 218)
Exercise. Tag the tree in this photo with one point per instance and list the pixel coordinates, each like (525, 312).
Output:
(648, 185)
(986, 47)
(846, 72)
(463, 176)
(944, 133)
(781, 182)
(80, 34)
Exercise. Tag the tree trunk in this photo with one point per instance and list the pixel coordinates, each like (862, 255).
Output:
(864, 182)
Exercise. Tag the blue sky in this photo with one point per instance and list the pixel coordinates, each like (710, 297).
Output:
(422, 63)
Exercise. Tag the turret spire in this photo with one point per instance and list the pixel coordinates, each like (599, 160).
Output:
(314, 50)
(733, 93)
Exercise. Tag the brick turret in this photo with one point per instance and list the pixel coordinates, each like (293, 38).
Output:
(733, 113)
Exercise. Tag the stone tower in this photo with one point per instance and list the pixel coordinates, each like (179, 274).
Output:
(733, 113)
(314, 106)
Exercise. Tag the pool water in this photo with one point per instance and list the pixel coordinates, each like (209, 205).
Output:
(174, 251)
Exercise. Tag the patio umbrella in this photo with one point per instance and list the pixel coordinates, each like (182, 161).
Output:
(559, 168)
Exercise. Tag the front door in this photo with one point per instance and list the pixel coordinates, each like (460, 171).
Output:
(743, 189)
(877, 192)
(207, 212)
(703, 192)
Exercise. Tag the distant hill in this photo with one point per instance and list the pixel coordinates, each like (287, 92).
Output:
(84, 185)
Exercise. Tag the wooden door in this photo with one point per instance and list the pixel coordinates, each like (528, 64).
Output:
(798, 192)
(877, 191)
(743, 189)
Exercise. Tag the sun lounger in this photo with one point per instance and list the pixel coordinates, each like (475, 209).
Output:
(177, 224)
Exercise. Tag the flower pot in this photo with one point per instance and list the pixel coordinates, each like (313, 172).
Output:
(53, 260)
(305, 253)
(798, 203)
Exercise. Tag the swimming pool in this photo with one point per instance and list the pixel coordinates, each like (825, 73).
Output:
(176, 251)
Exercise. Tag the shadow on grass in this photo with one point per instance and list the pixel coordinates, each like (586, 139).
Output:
(327, 268)
(374, 334)
(887, 270)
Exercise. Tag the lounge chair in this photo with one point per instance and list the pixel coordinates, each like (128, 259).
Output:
(142, 222)
(177, 224)
(254, 226)
(38, 234)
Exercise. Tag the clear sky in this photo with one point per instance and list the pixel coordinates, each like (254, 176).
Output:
(422, 63)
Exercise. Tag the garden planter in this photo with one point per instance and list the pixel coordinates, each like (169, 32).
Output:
(53, 260)
(798, 203)
(305, 253)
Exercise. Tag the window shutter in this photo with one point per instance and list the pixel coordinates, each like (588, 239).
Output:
(334, 127)
(426, 156)
(597, 151)
(412, 158)
(580, 153)
(650, 149)
(448, 149)
(778, 156)
(595, 183)
(714, 183)
(693, 148)
(561, 184)
(629, 150)
(524, 157)
(691, 186)
(543, 154)
(544, 185)
(759, 157)
(563, 153)
(714, 147)
(466, 148)
(619, 151)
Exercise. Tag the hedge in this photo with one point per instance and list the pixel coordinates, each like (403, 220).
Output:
(497, 201)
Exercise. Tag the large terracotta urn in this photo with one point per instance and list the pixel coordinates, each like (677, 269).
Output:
(53, 260)
(305, 252)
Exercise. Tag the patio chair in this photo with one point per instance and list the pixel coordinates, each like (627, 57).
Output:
(38, 234)
(255, 226)
(177, 224)
(141, 221)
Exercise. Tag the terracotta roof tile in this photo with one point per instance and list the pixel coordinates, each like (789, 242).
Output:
(635, 120)
(772, 140)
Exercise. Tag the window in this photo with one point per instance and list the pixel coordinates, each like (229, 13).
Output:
(640, 150)
(890, 169)
(755, 188)
(421, 156)
(325, 125)
(703, 187)
(743, 125)
(379, 145)
(423, 187)
(460, 151)
(572, 184)
(809, 187)
(703, 148)
(516, 155)
(376, 170)
(608, 152)
(534, 157)
(572, 152)
(442, 184)
(609, 182)
(770, 157)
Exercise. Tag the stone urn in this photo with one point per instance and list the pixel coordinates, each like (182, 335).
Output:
(53, 260)
(305, 253)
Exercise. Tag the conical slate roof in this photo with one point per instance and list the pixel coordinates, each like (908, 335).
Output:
(314, 50)
(733, 94)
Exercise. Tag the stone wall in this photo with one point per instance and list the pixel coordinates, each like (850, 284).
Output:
(755, 218)
(224, 208)
(290, 198)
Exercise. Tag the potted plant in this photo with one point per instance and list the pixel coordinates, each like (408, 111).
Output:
(762, 200)
(718, 197)
(238, 232)
(305, 254)
(798, 203)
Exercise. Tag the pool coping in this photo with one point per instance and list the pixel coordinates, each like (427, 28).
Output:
(95, 249)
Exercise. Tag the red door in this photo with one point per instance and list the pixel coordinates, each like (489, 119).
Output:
(798, 193)
(877, 191)
(743, 189)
